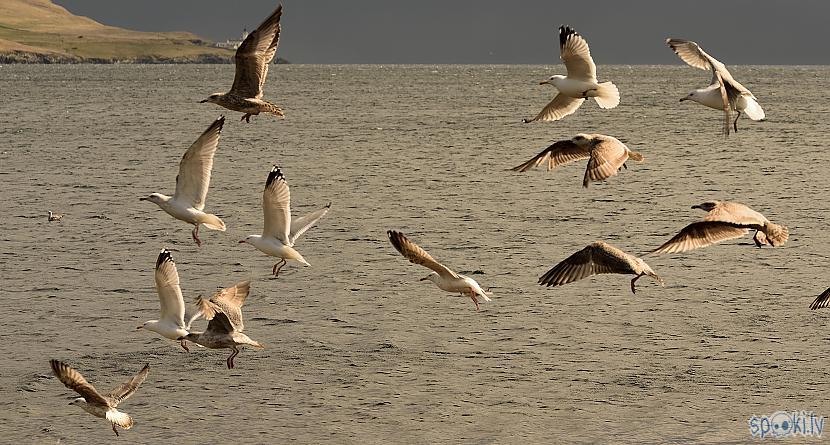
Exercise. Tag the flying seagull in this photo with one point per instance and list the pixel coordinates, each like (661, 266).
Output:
(252, 59)
(95, 403)
(188, 202)
(443, 277)
(724, 221)
(598, 257)
(580, 83)
(224, 310)
(280, 231)
(725, 93)
(175, 320)
(606, 156)
(54, 216)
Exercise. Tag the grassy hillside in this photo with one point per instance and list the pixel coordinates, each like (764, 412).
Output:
(32, 29)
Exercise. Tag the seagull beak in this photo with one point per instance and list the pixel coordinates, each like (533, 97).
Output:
(241, 241)
(543, 82)
(203, 101)
(683, 98)
(142, 199)
(138, 327)
(423, 279)
(697, 206)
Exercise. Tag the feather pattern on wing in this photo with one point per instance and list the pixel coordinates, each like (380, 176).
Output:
(574, 52)
(701, 234)
(597, 258)
(254, 55)
(276, 207)
(559, 153)
(195, 167)
(169, 290)
(125, 390)
(73, 380)
(302, 224)
(415, 254)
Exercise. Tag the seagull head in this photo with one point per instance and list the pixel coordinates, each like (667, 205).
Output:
(213, 98)
(156, 198)
(79, 401)
(690, 96)
(552, 79)
(430, 277)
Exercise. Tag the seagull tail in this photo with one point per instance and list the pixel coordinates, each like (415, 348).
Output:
(121, 419)
(776, 234)
(753, 109)
(636, 156)
(608, 96)
(273, 109)
(213, 222)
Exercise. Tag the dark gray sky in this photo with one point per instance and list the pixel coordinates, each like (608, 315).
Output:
(489, 31)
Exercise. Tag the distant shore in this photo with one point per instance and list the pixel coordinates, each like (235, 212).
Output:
(22, 57)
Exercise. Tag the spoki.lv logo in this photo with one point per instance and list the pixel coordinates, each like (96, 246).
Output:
(786, 424)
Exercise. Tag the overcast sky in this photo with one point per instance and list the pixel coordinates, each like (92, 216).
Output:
(489, 31)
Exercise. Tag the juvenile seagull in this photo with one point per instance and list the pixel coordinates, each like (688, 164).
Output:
(175, 321)
(280, 232)
(192, 183)
(725, 93)
(443, 277)
(54, 216)
(92, 401)
(725, 220)
(821, 301)
(599, 257)
(606, 156)
(580, 83)
(224, 310)
(252, 59)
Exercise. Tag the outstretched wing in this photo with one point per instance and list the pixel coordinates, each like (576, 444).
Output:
(821, 301)
(559, 107)
(76, 382)
(701, 234)
(303, 223)
(254, 55)
(126, 389)
(559, 153)
(417, 255)
(276, 207)
(574, 52)
(596, 258)
(194, 170)
(169, 291)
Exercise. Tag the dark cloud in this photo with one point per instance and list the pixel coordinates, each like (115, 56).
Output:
(488, 31)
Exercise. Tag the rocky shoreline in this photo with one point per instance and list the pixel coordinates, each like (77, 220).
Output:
(23, 57)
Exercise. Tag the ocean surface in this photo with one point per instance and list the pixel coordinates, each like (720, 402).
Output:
(357, 349)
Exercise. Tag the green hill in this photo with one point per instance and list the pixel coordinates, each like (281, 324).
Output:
(39, 31)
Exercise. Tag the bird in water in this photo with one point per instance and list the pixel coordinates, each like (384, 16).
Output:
(443, 277)
(188, 202)
(580, 83)
(252, 59)
(95, 403)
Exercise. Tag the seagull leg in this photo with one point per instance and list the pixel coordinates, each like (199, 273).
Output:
(195, 234)
(475, 300)
(246, 118)
(114, 430)
(735, 124)
(184, 345)
(230, 359)
(634, 280)
(758, 243)
(276, 270)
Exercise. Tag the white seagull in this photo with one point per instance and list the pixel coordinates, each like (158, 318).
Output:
(580, 83)
(188, 202)
(280, 231)
(443, 277)
(175, 321)
(725, 93)
(95, 403)
(224, 310)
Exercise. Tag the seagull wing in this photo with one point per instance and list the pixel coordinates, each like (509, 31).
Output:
(417, 255)
(559, 107)
(230, 302)
(574, 52)
(701, 234)
(607, 157)
(218, 323)
(596, 258)
(254, 55)
(276, 206)
(76, 382)
(821, 301)
(194, 169)
(560, 153)
(167, 286)
(737, 214)
(303, 223)
(126, 389)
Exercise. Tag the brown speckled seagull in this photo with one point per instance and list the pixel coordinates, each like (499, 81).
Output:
(252, 59)
(606, 156)
(598, 257)
(95, 403)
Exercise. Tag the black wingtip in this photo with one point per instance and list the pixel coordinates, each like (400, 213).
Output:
(274, 175)
(564, 33)
(328, 206)
(164, 256)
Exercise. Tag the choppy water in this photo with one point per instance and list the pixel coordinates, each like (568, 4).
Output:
(360, 351)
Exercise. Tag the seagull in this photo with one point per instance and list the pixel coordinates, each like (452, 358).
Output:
(54, 216)
(598, 257)
(100, 405)
(580, 83)
(281, 231)
(821, 301)
(188, 202)
(725, 93)
(175, 321)
(606, 156)
(725, 220)
(252, 59)
(225, 326)
(443, 277)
